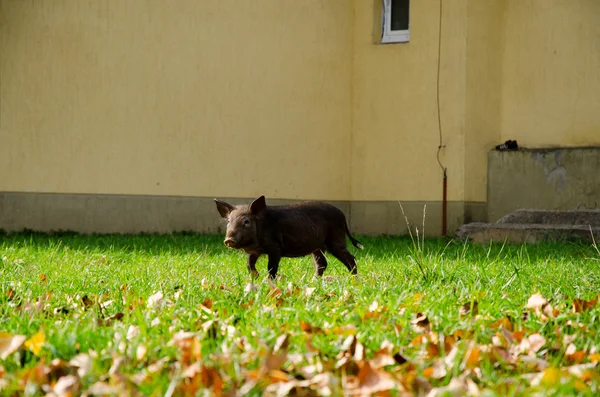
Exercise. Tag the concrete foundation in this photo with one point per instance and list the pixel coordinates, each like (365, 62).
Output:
(549, 179)
(130, 214)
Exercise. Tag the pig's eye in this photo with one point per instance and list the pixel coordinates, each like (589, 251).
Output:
(246, 222)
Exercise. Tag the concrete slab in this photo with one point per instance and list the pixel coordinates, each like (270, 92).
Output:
(518, 233)
(534, 225)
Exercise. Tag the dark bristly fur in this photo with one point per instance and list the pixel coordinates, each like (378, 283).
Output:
(295, 230)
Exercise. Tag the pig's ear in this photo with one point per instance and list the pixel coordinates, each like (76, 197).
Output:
(258, 205)
(224, 208)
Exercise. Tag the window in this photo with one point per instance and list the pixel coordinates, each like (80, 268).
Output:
(395, 21)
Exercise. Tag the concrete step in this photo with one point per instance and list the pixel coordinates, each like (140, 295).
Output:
(519, 233)
(547, 217)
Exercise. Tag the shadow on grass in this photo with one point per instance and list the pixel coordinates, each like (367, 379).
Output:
(376, 247)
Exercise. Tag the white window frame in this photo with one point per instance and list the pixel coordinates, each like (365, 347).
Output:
(387, 34)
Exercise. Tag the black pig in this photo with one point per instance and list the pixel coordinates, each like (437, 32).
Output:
(294, 230)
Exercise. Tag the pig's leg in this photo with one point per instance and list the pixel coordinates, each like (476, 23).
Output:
(273, 264)
(252, 258)
(344, 256)
(320, 262)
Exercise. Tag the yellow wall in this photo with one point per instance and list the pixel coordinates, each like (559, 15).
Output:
(395, 126)
(219, 98)
(484, 88)
(289, 99)
(551, 84)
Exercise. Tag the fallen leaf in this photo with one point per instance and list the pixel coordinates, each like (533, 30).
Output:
(66, 386)
(473, 357)
(140, 352)
(536, 301)
(36, 343)
(308, 291)
(469, 307)
(155, 300)
(580, 305)
(504, 322)
(83, 363)
(43, 278)
(207, 303)
(576, 357)
(109, 320)
(551, 376)
(10, 343)
(437, 371)
(309, 329)
(132, 332)
(421, 323)
(502, 354)
(86, 301)
(277, 356)
(103, 389)
(372, 380)
(536, 342)
(571, 349)
(157, 366)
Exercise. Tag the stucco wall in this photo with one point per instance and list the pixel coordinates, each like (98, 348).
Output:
(395, 124)
(187, 98)
(483, 91)
(294, 100)
(551, 83)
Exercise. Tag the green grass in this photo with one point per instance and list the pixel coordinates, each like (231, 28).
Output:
(434, 279)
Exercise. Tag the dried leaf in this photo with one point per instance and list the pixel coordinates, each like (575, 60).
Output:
(10, 343)
(504, 322)
(551, 376)
(83, 363)
(132, 332)
(103, 389)
(308, 291)
(86, 301)
(372, 380)
(580, 305)
(536, 342)
(536, 301)
(207, 303)
(140, 352)
(309, 329)
(66, 386)
(157, 366)
(437, 371)
(469, 307)
(576, 357)
(421, 323)
(109, 320)
(473, 357)
(277, 356)
(155, 300)
(43, 278)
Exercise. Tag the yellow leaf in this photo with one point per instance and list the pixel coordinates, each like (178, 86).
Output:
(594, 357)
(36, 342)
(551, 376)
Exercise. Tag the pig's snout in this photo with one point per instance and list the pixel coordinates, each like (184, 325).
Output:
(230, 242)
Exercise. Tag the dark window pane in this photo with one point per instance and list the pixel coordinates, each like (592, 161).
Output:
(400, 14)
